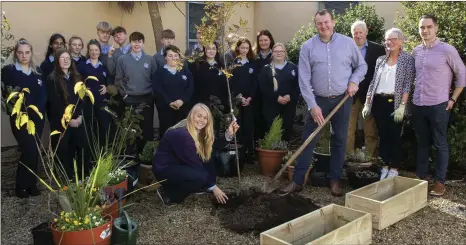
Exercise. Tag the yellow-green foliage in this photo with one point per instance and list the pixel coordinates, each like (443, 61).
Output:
(102, 170)
(274, 136)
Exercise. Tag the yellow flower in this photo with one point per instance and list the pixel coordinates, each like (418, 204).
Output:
(63, 228)
(86, 221)
(67, 220)
(55, 220)
(80, 223)
(62, 213)
(75, 222)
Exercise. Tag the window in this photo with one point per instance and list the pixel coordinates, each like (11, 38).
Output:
(195, 12)
(339, 7)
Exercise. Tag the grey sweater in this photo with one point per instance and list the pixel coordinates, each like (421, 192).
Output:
(134, 77)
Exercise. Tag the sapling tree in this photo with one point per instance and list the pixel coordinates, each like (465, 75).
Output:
(214, 28)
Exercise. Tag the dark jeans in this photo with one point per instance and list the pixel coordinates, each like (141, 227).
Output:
(29, 153)
(430, 123)
(389, 131)
(182, 180)
(73, 146)
(339, 123)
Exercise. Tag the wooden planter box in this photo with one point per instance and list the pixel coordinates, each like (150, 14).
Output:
(332, 224)
(389, 200)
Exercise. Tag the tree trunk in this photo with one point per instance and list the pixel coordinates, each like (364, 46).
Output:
(156, 19)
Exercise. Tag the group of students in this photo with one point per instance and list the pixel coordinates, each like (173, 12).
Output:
(266, 84)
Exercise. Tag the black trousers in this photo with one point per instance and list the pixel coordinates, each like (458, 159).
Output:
(260, 121)
(246, 130)
(146, 110)
(389, 131)
(286, 112)
(29, 153)
(169, 117)
(73, 146)
(182, 180)
(97, 122)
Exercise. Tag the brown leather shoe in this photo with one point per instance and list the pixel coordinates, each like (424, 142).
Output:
(291, 188)
(438, 189)
(335, 188)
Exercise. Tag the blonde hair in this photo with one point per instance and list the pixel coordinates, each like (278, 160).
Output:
(32, 64)
(272, 65)
(204, 139)
(104, 26)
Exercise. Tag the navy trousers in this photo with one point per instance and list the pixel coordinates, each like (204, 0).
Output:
(339, 124)
(29, 152)
(182, 180)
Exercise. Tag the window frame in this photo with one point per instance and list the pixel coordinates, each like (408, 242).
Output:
(188, 40)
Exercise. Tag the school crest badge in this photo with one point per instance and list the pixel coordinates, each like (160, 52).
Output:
(146, 65)
(39, 82)
(251, 70)
(293, 73)
(105, 74)
(184, 77)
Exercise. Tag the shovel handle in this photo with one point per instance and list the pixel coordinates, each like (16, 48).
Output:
(310, 138)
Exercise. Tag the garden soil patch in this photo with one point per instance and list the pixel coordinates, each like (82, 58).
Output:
(256, 212)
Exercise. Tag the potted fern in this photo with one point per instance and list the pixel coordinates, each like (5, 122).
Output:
(272, 149)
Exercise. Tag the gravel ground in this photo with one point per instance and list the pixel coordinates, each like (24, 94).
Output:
(195, 221)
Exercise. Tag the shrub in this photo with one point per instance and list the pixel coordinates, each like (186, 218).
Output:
(147, 154)
(365, 12)
(273, 138)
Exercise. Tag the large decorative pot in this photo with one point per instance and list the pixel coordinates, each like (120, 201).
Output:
(270, 161)
(321, 162)
(97, 236)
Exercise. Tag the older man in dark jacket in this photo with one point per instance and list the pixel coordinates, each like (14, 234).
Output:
(370, 51)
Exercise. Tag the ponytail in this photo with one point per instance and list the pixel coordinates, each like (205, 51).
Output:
(275, 83)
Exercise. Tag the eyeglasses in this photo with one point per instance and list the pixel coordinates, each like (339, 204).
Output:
(278, 52)
(390, 39)
(65, 58)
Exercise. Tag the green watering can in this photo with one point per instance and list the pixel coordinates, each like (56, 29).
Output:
(124, 229)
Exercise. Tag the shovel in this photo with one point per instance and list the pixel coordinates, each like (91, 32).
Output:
(267, 186)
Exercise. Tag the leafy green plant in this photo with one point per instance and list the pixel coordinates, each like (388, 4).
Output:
(273, 138)
(147, 154)
(365, 12)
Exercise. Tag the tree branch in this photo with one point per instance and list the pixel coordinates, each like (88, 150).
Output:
(176, 6)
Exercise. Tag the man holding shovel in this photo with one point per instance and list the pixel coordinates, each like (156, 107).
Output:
(330, 65)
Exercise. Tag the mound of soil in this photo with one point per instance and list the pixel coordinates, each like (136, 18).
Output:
(256, 212)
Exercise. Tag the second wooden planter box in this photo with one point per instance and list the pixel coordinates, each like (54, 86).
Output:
(332, 224)
(389, 200)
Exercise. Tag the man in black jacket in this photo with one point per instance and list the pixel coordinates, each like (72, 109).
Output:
(370, 51)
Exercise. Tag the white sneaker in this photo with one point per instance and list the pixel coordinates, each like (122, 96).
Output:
(384, 173)
(392, 173)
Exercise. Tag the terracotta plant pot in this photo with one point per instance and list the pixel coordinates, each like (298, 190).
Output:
(112, 209)
(99, 235)
(270, 161)
(291, 172)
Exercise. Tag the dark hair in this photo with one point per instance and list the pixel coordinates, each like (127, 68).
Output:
(429, 16)
(58, 74)
(136, 36)
(324, 12)
(250, 54)
(92, 42)
(118, 29)
(264, 33)
(172, 48)
(204, 56)
(167, 33)
(51, 40)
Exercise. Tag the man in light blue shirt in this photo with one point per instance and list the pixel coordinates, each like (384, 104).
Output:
(330, 65)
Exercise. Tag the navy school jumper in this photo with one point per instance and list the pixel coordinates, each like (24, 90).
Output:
(47, 67)
(177, 162)
(167, 88)
(73, 144)
(78, 61)
(13, 77)
(244, 82)
(287, 79)
(95, 117)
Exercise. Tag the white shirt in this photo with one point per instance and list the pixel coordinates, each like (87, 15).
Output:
(387, 80)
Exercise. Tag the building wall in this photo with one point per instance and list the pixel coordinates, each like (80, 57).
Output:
(37, 21)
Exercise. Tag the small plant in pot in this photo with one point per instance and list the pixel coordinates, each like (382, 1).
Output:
(322, 152)
(291, 167)
(272, 149)
(147, 154)
(362, 176)
(359, 158)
